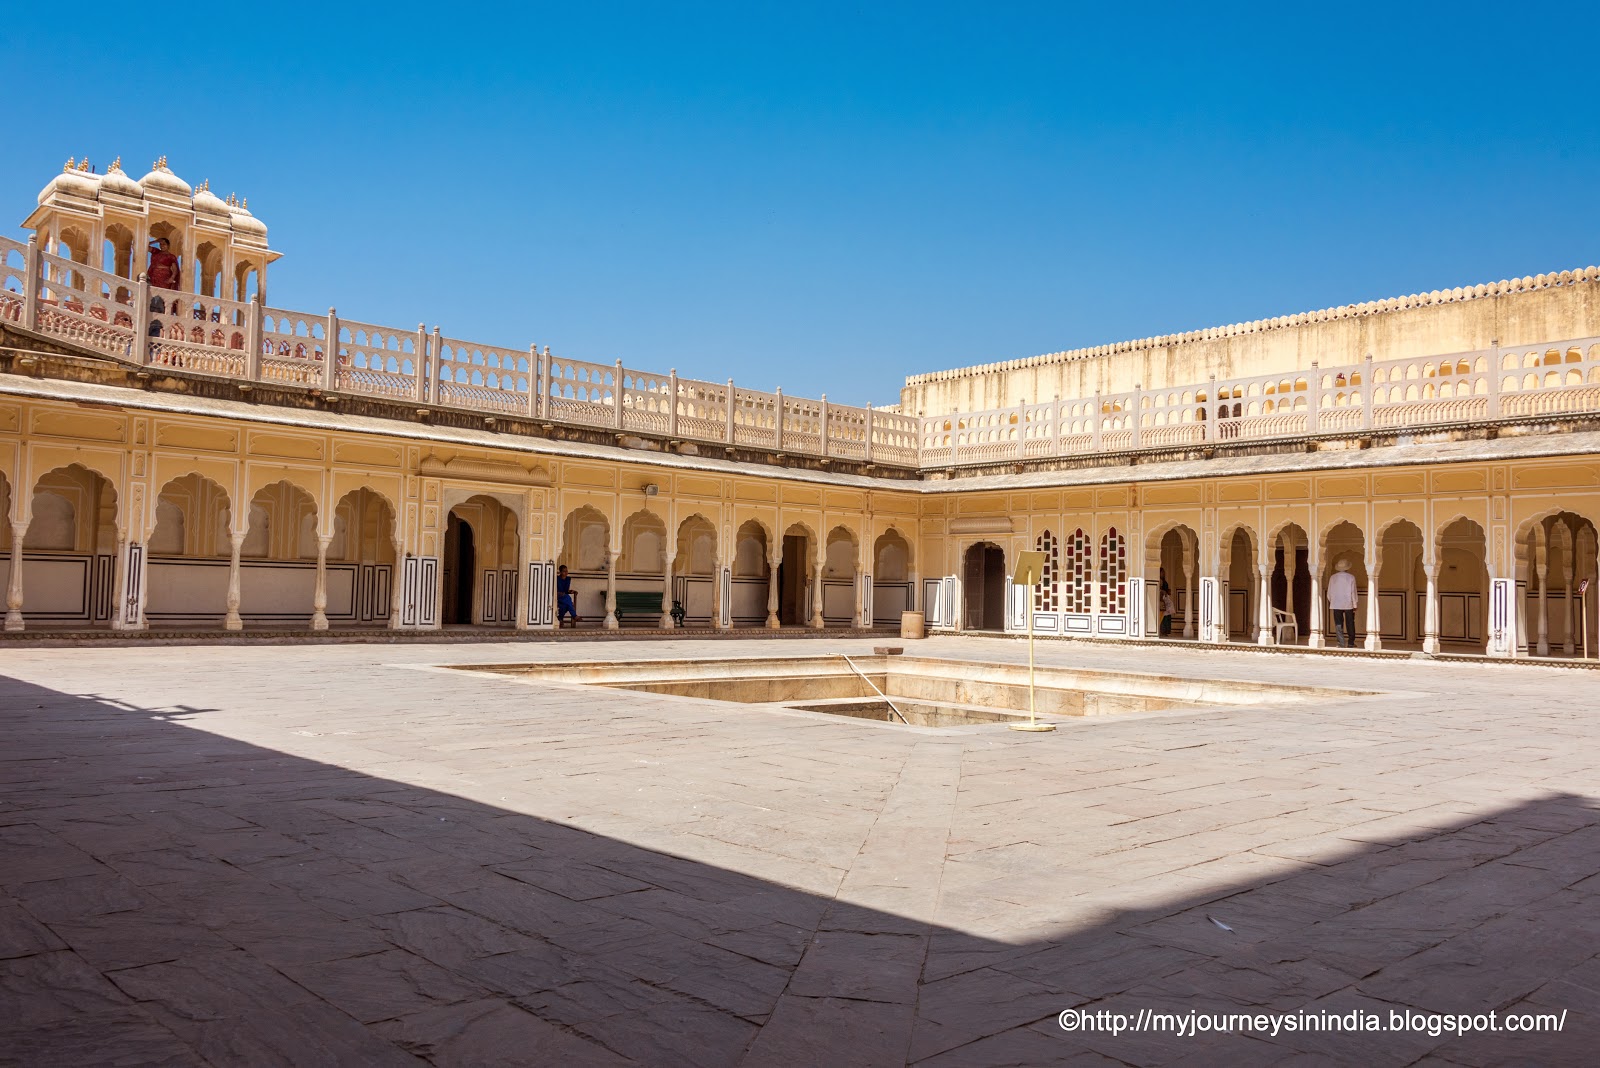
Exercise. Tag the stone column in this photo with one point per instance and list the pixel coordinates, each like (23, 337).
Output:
(14, 585)
(397, 586)
(319, 599)
(1542, 569)
(1566, 578)
(1191, 592)
(666, 592)
(1264, 608)
(861, 599)
(611, 592)
(1288, 583)
(1315, 639)
(1152, 601)
(1372, 642)
(817, 622)
(1430, 618)
(772, 594)
(233, 620)
(716, 596)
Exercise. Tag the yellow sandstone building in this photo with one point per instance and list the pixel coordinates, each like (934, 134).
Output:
(176, 452)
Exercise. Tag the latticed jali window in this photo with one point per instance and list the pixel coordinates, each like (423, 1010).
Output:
(1076, 575)
(1047, 595)
(1113, 573)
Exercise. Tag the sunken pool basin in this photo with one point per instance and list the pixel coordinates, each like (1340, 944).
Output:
(914, 690)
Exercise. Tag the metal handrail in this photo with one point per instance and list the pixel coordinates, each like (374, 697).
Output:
(875, 690)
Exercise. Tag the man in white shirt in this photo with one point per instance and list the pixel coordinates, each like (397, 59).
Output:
(1342, 602)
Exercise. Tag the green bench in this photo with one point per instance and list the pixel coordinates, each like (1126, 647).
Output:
(639, 602)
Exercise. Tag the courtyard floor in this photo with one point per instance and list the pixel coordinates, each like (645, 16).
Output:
(338, 854)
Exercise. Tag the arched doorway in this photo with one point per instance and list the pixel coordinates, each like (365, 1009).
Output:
(64, 570)
(1555, 554)
(1173, 555)
(586, 554)
(795, 573)
(190, 549)
(480, 564)
(694, 575)
(1289, 586)
(891, 577)
(753, 589)
(1344, 543)
(839, 584)
(1239, 596)
(460, 565)
(362, 556)
(1462, 585)
(985, 588)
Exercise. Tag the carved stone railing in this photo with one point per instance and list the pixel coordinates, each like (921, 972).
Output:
(132, 321)
(1525, 381)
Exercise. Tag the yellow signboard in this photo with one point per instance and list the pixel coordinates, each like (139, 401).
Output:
(1030, 569)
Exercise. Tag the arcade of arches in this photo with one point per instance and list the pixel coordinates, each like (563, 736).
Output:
(141, 517)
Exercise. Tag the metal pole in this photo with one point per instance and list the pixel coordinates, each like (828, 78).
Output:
(1033, 723)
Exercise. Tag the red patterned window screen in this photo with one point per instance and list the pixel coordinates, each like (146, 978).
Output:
(1076, 576)
(1113, 573)
(1047, 595)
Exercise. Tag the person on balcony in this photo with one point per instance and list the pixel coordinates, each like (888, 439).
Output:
(164, 272)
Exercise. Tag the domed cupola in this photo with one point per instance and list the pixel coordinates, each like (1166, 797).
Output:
(117, 183)
(208, 203)
(162, 181)
(75, 180)
(243, 221)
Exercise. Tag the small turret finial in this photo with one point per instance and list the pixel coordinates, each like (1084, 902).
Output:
(116, 165)
(84, 165)
(72, 161)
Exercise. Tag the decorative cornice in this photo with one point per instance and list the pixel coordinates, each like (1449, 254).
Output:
(503, 471)
(1347, 311)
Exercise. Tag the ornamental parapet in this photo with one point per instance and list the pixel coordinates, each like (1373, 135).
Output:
(250, 343)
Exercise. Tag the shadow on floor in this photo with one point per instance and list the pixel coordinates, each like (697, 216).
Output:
(169, 896)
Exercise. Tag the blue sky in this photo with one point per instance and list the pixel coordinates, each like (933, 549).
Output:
(829, 197)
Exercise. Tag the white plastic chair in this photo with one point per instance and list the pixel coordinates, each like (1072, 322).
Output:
(1282, 621)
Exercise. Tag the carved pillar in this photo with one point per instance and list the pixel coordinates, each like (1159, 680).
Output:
(396, 586)
(817, 622)
(233, 620)
(861, 597)
(1264, 605)
(1152, 599)
(666, 593)
(716, 596)
(611, 591)
(1542, 569)
(1191, 591)
(1565, 583)
(1315, 640)
(1430, 618)
(14, 586)
(1373, 625)
(319, 599)
(772, 594)
(1288, 582)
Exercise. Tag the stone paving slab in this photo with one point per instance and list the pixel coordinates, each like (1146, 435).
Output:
(341, 854)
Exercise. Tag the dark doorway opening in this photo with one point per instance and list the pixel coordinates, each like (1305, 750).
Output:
(985, 588)
(1296, 602)
(460, 571)
(792, 582)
